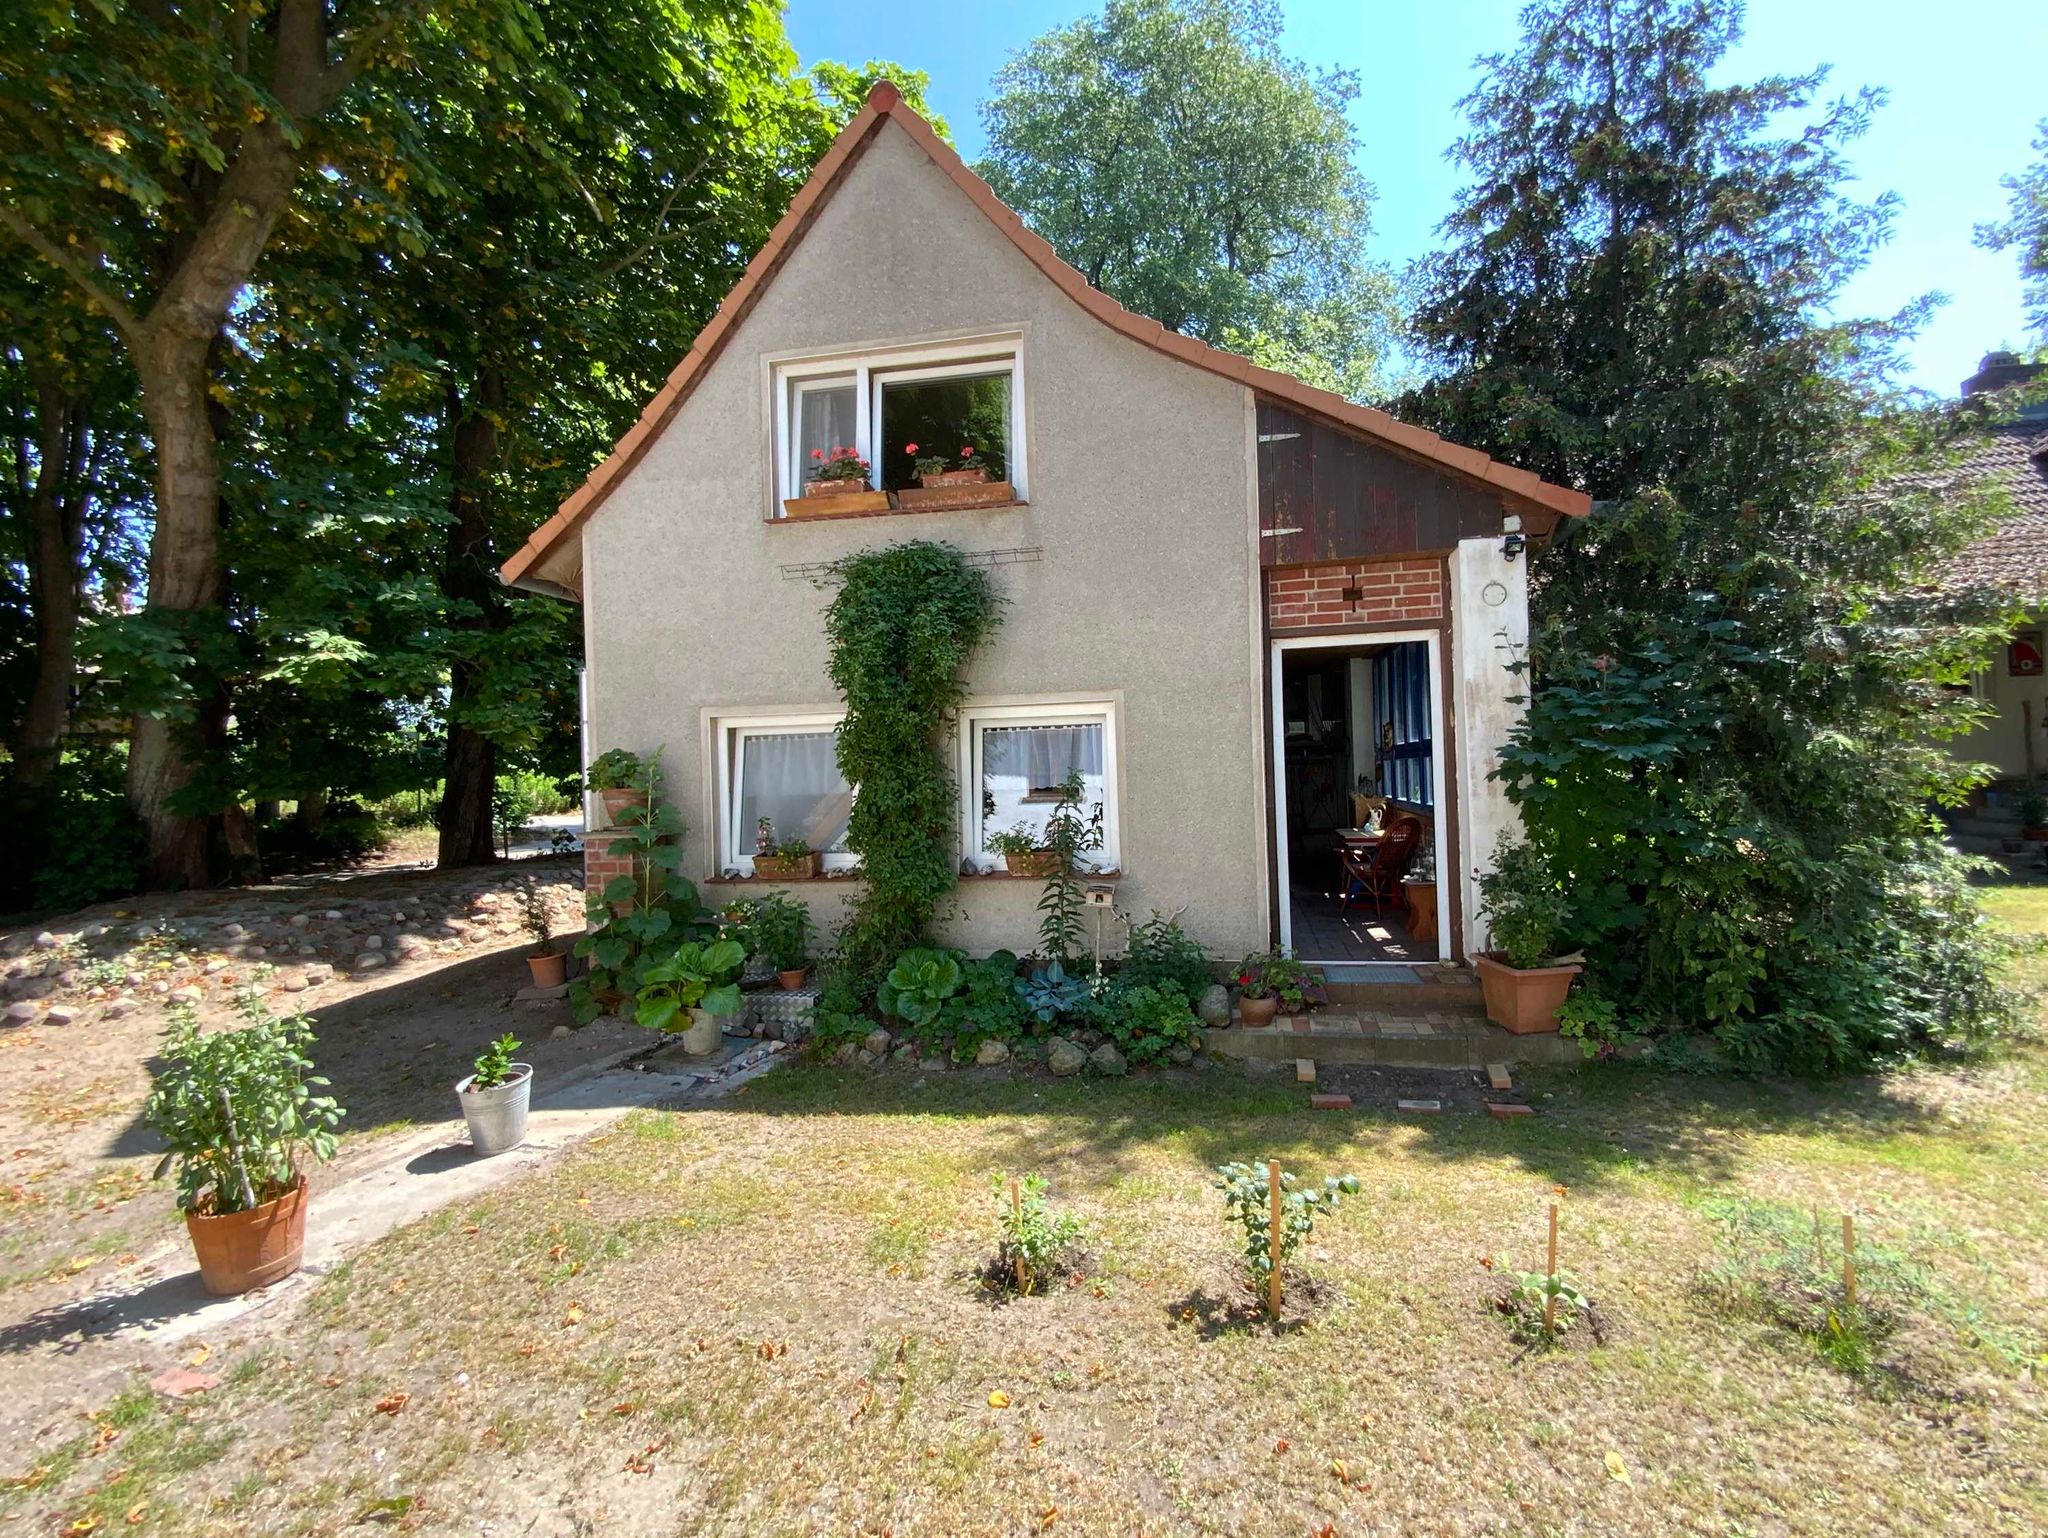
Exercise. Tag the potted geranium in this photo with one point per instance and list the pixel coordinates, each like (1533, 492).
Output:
(935, 469)
(837, 473)
(1524, 906)
(547, 961)
(494, 1098)
(1024, 853)
(237, 1109)
(1268, 982)
(945, 483)
(615, 776)
(781, 928)
(687, 990)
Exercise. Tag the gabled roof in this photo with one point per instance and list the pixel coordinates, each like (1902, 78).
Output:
(2015, 455)
(885, 103)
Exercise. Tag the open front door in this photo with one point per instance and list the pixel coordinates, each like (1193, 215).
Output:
(1358, 783)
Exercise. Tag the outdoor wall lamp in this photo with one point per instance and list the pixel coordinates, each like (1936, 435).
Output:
(1511, 546)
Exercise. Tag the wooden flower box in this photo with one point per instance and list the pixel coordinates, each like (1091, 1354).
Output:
(788, 867)
(835, 499)
(934, 498)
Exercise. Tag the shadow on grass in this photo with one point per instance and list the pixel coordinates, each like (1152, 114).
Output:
(72, 1325)
(1598, 1124)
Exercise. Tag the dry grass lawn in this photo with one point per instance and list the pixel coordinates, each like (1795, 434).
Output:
(762, 1319)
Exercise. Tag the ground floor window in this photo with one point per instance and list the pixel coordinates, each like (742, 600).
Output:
(1014, 759)
(1400, 693)
(784, 770)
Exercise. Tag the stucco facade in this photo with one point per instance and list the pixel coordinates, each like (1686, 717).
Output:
(1135, 573)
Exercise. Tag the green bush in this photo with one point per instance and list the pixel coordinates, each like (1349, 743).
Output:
(1148, 1023)
(986, 1007)
(1160, 951)
(1522, 903)
(919, 984)
(90, 846)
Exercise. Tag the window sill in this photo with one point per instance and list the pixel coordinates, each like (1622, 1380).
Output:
(828, 878)
(1081, 876)
(995, 497)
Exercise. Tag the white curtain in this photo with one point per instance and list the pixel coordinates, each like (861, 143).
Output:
(793, 779)
(1029, 761)
(824, 421)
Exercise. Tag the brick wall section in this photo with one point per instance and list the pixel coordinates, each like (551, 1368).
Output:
(600, 865)
(1314, 597)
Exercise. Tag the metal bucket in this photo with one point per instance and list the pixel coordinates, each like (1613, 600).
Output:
(497, 1116)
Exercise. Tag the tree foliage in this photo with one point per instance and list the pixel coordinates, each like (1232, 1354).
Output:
(1740, 670)
(1172, 153)
(2025, 230)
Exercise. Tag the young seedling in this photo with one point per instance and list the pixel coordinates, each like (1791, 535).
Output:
(1276, 1213)
(1559, 1296)
(1033, 1239)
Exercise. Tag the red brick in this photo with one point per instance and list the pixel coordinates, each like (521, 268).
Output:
(1506, 1112)
(1329, 1102)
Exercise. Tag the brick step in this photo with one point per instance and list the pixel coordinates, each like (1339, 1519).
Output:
(1390, 1043)
(1458, 996)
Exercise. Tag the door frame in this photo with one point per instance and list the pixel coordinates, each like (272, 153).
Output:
(1353, 640)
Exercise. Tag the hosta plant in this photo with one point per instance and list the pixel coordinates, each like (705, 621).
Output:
(238, 1109)
(1049, 992)
(918, 986)
(691, 975)
(1248, 1199)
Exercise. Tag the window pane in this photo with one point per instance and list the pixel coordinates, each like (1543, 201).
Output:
(1022, 767)
(793, 779)
(942, 417)
(825, 421)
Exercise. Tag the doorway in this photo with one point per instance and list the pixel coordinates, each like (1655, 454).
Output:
(1358, 731)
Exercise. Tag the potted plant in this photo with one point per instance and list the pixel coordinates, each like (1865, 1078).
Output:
(793, 860)
(688, 989)
(494, 1098)
(1023, 854)
(1524, 906)
(548, 962)
(1268, 982)
(615, 775)
(935, 469)
(782, 930)
(2033, 810)
(237, 1109)
(944, 483)
(836, 486)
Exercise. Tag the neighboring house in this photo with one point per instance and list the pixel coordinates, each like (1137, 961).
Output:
(2014, 740)
(1232, 599)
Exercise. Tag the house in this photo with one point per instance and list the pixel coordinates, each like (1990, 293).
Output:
(1233, 600)
(2013, 739)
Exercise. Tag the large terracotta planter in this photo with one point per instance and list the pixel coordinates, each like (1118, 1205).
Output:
(1523, 999)
(617, 799)
(242, 1250)
(1258, 1012)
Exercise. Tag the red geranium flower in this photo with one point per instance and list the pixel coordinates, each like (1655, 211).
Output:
(817, 453)
(910, 448)
(968, 452)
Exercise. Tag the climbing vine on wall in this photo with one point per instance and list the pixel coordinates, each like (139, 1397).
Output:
(906, 619)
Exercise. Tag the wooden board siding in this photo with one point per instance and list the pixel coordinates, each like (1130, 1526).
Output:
(1329, 495)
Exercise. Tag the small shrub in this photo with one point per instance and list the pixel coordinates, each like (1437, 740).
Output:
(1160, 951)
(535, 917)
(1148, 1023)
(1035, 1243)
(1271, 974)
(494, 1063)
(987, 1007)
(1594, 1022)
(1523, 903)
(1247, 1198)
(781, 930)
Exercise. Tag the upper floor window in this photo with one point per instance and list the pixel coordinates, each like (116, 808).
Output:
(952, 405)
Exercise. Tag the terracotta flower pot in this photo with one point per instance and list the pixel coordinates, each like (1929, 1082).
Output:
(550, 970)
(1258, 1012)
(792, 978)
(791, 867)
(846, 486)
(617, 799)
(976, 477)
(241, 1250)
(1523, 999)
(1039, 864)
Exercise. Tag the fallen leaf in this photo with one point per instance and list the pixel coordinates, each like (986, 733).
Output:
(558, 1252)
(1036, 1437)
(574, 1316)
(472, 1228)
(624, 1407)
(1047, 1517)
(998, 1400)
(1338, 1471)
(332, 1380)
(135, 1513)
(1617, 1470)
(82, 1526)
(529, 1348)
(1280, 1446)
(390, 1509)
(391, 1404)
(198, 1357)
(31, 1479)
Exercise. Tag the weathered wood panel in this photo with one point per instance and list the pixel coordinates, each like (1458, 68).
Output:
(1328, 495)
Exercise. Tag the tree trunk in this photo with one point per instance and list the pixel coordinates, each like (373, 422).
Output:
(469, 764)
(56, 545)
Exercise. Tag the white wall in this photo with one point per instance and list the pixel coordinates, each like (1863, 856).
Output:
(1489, 634)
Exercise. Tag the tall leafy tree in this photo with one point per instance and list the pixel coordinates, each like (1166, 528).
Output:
(1170, 151)
(2025, 230)
(1739, 670)
(150, 151)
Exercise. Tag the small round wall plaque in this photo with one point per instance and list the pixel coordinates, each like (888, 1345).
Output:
(1494, 594)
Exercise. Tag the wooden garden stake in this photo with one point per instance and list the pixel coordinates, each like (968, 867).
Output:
(1849, 1259)
(1017, 1213)
(1550, 1293)
(1273, 1237)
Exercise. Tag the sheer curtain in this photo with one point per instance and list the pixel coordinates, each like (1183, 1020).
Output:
(1030, 761)
(824, 421)
(793, 779)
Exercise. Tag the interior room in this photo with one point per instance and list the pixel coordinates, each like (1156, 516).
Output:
(1360, 803)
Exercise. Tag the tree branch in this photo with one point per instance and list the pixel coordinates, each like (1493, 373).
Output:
(77, 271)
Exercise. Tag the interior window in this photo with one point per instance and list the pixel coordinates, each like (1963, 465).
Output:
(792, 779)
(1400, 689)
(827, 414)
(945, 417)
(1023, 766)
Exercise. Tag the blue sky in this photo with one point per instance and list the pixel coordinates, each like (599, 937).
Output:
(1965, 79)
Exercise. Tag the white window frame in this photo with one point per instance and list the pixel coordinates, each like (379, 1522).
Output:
(973, 718)
(737, 852)
(868, 371)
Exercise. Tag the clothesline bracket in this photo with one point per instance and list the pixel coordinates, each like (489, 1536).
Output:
(822, 572)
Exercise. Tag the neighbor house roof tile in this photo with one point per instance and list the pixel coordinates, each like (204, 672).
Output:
(2016, 557)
